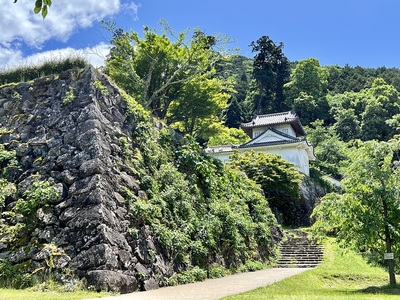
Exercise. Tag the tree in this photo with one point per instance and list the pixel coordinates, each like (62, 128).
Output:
(278, 178)
(307, 91)
(233, 115)
(41, 6)
(369, 114)
(238, 70)
(329, 150)
(346, 79)
(366, 214)
(222, 135)
(383, 103)
(309, 77)
(199, 99)
(347, 126)
(154, 69)
(271, 70)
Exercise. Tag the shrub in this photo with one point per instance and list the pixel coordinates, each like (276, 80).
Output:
(278, 178)
(195, 274)
(41, 193)
(14, 276)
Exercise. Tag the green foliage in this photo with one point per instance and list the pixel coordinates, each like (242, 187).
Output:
(192, 275)
(54, 66)
(222, 135)
(7, 189)
(136, 112)
(99, 86)
(200, 101)
(18, 223)
(41, 6)
(38, 195)
(354, 79)
(271, 71)
(278, 178)
(366, 215)
(217, 272)
(158, 70)
(8, 161)
(51, 293)
(252, 266)
(330, 151)
(16, 227)
(234, 113)
(171, 75)
(69, 96)
(237, 69)
(199, 213)
(347, 126)
(14, 275)
(309, 77)
(307, 91)
(368, 114)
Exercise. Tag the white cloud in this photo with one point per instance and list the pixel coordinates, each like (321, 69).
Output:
(9, 57)
(131, 8)
(21, 29)
(94, 55)
(20, 24)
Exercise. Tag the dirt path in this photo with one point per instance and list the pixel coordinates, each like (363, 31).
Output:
(212, 289)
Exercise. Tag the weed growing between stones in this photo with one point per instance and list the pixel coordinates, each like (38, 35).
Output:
(69, 96)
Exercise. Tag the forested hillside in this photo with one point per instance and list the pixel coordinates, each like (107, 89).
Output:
(205, 90)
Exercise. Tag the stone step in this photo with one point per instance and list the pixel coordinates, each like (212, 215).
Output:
(286, 244)
(302, 250)
(294, 260)
(299, 252)
(306, 255)
(296, 266)
(301, 246)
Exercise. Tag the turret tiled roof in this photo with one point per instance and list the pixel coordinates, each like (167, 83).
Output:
(288, 117)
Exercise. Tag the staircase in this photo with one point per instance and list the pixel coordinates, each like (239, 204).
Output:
(298, 251)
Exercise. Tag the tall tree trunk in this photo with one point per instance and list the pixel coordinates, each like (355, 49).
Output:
(388, 241)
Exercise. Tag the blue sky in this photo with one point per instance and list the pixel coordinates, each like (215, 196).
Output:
(354, 32)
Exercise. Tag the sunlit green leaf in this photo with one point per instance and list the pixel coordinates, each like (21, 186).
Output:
(44, 11)
(37, 10)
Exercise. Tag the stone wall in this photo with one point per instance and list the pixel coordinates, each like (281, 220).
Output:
(67, 131)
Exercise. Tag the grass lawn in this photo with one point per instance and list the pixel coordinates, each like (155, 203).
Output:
(342, 275)
(29, 294)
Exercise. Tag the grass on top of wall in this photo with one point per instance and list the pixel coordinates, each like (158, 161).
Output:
(24, 73)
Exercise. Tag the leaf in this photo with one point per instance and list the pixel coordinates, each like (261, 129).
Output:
(38, 4)
(36, 10)
(44, 11)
